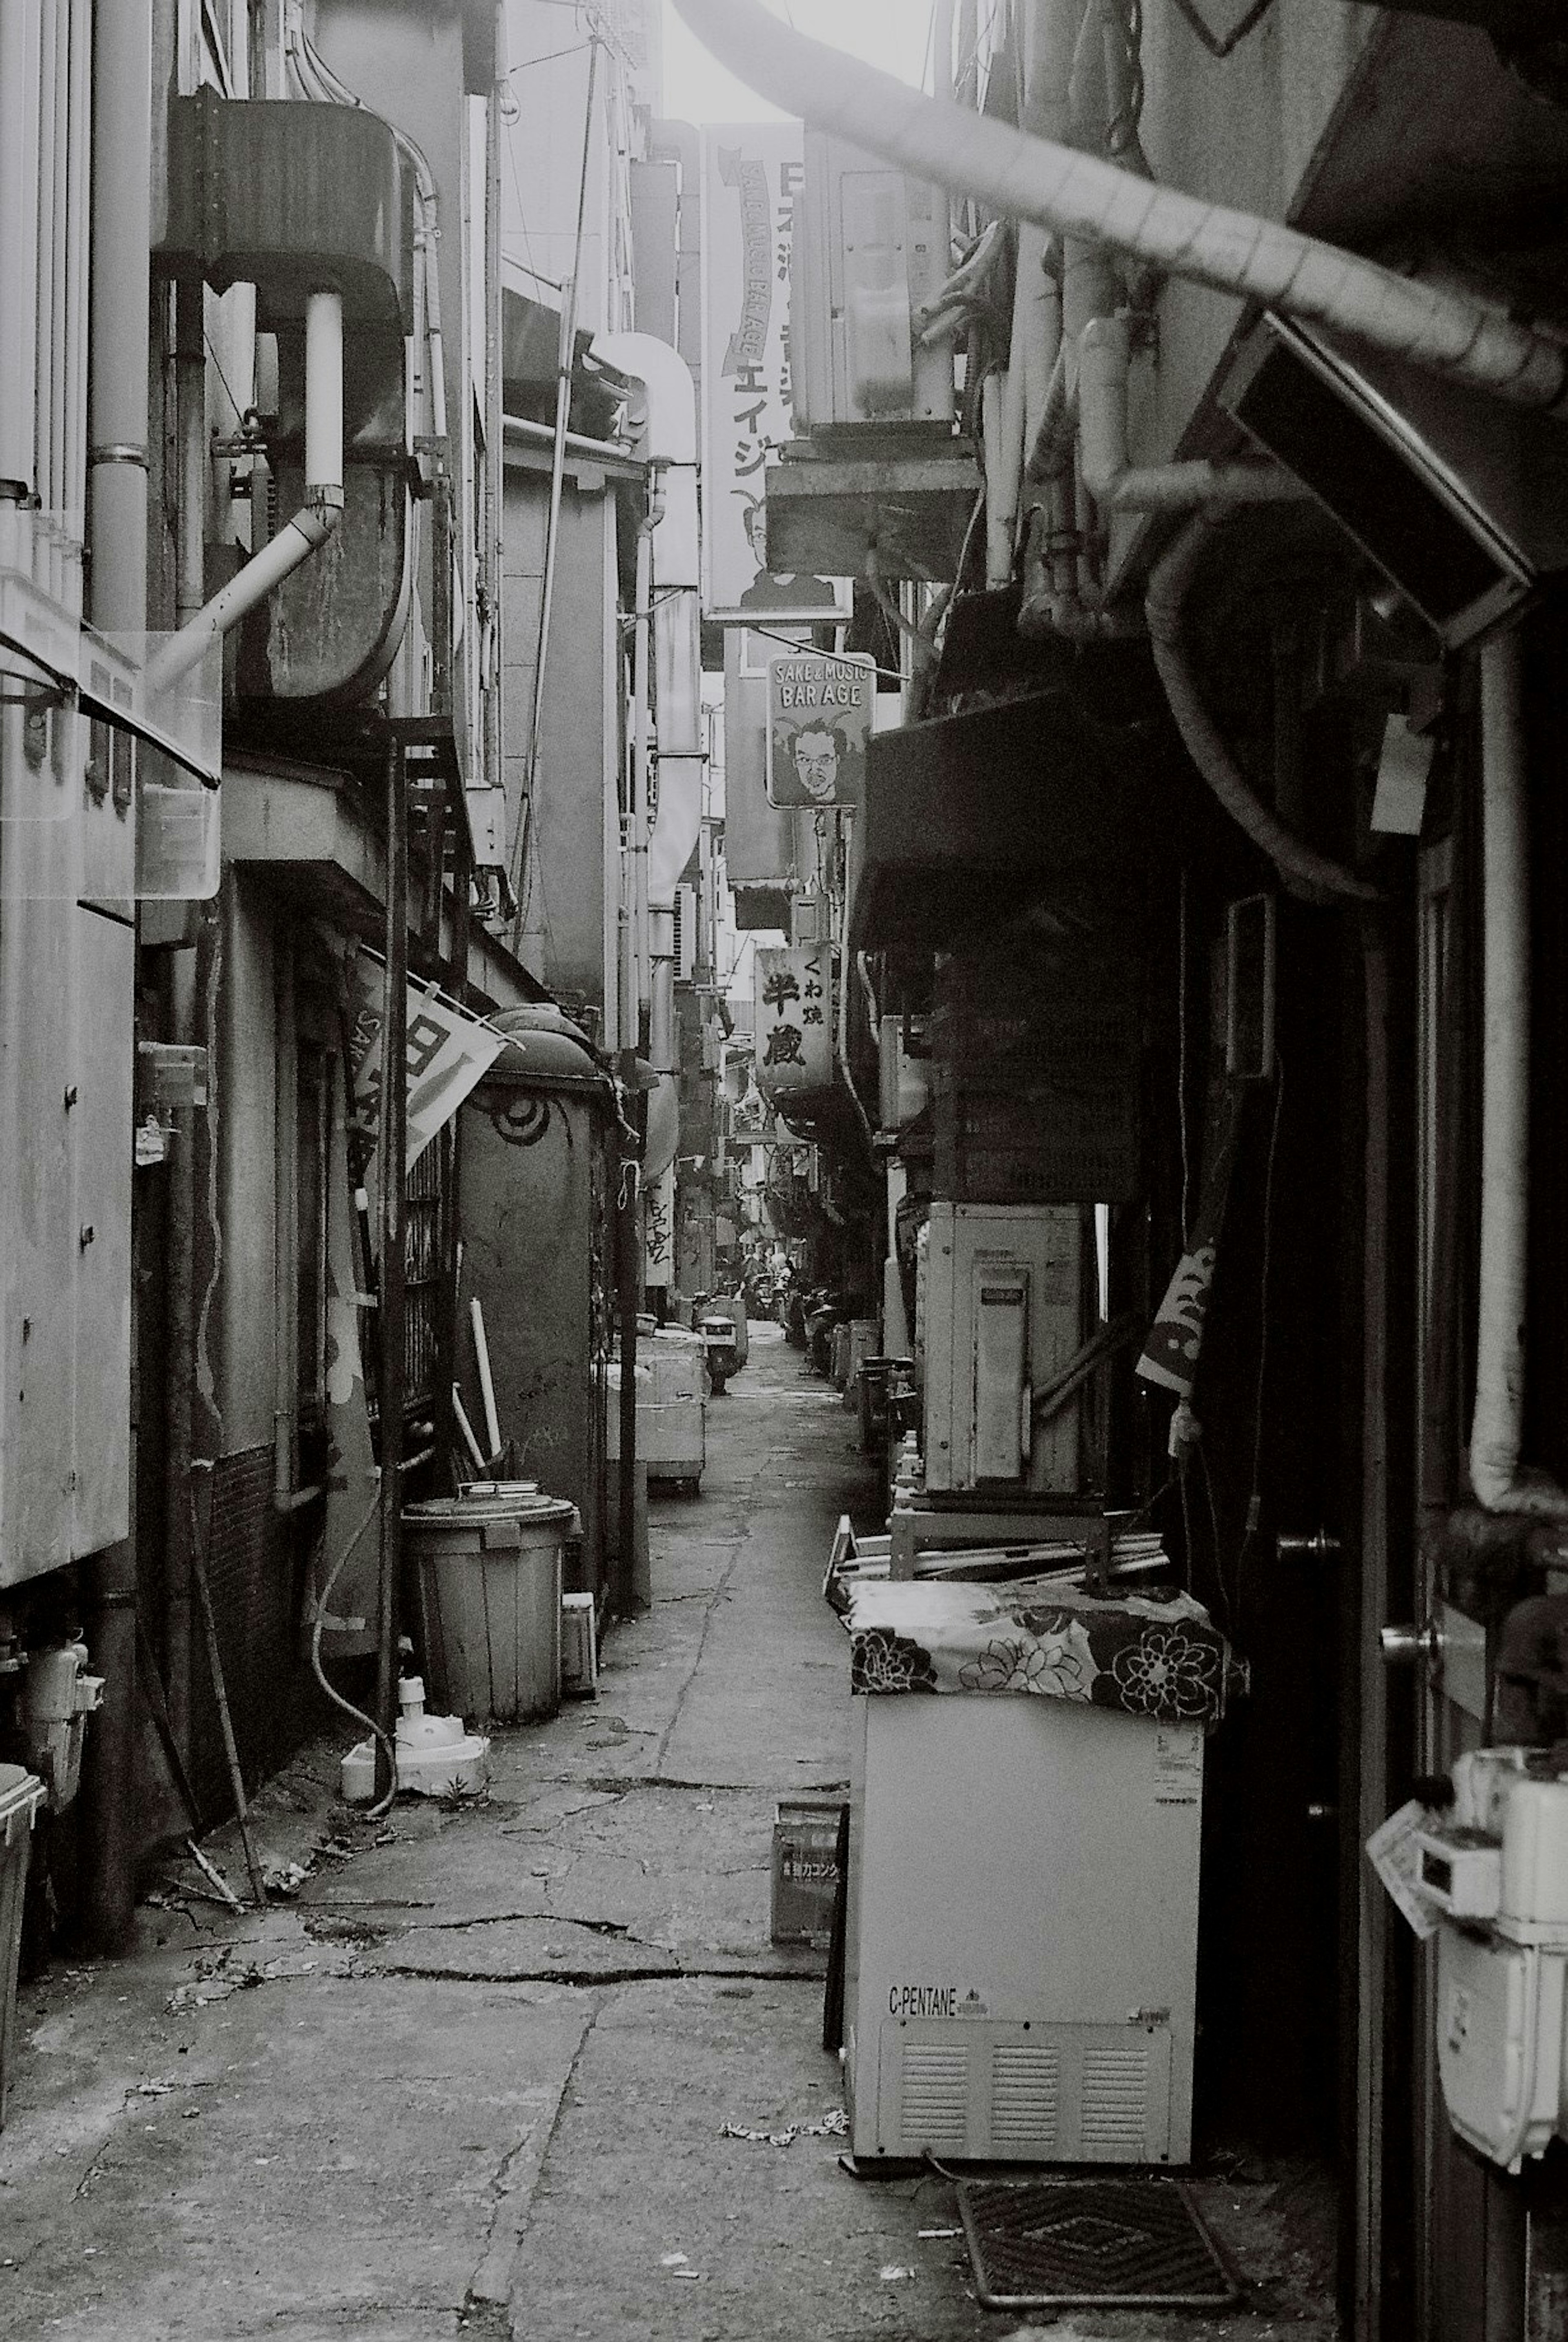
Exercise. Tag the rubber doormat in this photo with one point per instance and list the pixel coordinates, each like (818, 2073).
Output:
(1126, 2244)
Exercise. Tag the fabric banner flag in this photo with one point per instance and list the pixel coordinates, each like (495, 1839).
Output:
(448, 1052)
(1174, 1339)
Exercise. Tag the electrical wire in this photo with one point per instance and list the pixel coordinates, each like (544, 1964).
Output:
(384, 1803)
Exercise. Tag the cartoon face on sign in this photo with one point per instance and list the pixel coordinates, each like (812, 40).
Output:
(819, 720)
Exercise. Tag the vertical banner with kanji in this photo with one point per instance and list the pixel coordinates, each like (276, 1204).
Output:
(752, 172)
(793, 1019)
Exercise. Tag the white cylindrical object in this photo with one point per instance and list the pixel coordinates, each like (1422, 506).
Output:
(487, 1388)
(18, 238)
(1496, 1433)
(470, 1439)
(324, 393)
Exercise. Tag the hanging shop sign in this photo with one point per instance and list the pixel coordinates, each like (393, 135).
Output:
(659, 1229)
(793, 1019)
(448, 1053)
(752, 172)
(820, 710)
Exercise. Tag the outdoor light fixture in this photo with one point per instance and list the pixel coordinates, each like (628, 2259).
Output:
(1463, 501)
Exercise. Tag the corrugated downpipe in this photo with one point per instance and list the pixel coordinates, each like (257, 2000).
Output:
(1081, 196)
(1315, 875)
(1502, 1483)
(310, 528)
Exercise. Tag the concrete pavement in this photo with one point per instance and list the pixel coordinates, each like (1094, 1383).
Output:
(473, 2077)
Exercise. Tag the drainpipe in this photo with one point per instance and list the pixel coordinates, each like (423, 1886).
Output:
(1105, 357)
(637, 989)
(118, 325)
(310, 528)
(1500, 1482)
(18, 257)
(669, 441)
(1080, 196)
(1315, 875)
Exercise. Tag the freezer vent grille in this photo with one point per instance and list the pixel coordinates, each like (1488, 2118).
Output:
(934, 2095)
(1024, 2093)
(1115, 2096)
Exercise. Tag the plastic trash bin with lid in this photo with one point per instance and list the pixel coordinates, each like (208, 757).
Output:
(489, 1561)
(21, 1795)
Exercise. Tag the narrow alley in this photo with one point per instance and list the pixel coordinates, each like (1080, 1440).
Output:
(529, 2067)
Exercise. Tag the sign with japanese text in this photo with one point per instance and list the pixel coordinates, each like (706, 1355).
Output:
(820, 709)
(448, 1052)
(752, 172)
(659, 1229)
(793, 1019)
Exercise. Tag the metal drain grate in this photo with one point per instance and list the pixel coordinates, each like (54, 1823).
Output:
(1131, 2244)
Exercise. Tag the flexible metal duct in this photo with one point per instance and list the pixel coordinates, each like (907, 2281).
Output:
(1079, 195)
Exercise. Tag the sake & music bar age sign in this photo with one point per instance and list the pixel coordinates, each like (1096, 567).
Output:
(819, 720)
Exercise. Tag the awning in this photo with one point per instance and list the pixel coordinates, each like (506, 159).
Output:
(970, 818)
(53, 651)
(307, 824)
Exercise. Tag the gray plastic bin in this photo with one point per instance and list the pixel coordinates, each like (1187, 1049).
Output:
(490, 1587)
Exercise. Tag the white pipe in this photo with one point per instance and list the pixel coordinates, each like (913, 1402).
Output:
(1502, 1484)
(1081, 196)
(59, 254)
(486, 1385)
(18, 244)
(46, 330)
(323, 393)
(1104, 358)
(469, 1439)
(668, 440)
(1317, 874)
(1000, 414)
(79, 248)
(310, 528)
(639, 994)
(118, 310)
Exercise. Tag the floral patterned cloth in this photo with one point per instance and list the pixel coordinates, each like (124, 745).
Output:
(1153, 1654)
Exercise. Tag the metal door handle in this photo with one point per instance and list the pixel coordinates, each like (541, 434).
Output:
(1405, 1646)
(1308, 1545)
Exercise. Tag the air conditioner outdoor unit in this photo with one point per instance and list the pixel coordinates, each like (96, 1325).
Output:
(871, 248)
(1021, 1952)
(1461, 500)
(1002, 1310)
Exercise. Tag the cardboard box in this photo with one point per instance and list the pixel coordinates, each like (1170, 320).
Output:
(805, 1869)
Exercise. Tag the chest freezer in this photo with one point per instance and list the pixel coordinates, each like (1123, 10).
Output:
(1021, 1931)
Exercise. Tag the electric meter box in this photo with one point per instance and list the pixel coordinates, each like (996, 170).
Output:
(871, 247)
(1003, 1311)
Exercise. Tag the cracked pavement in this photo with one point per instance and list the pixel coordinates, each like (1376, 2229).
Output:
(472, 2077)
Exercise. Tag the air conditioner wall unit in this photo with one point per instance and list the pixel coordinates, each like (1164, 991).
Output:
(870, 248)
